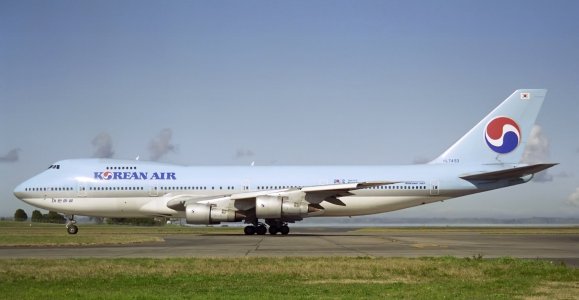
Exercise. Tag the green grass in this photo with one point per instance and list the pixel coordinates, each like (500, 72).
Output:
(481, 230)
(302, 278)
(26, 234)
(264, 278)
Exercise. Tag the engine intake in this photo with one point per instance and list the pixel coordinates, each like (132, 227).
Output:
(203, 214)
(275, 207)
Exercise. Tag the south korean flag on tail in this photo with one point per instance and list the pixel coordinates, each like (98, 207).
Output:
(525, 96)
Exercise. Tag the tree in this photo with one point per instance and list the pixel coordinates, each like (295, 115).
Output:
(54, 217)
(135, 221)
(20, 215)
(36, 216)
(97, 220)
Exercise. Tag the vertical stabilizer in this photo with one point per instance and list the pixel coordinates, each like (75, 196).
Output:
(502, 135)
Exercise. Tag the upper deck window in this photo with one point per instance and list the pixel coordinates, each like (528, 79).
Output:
(121, 168)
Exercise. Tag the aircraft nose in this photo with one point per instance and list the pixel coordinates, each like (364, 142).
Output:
(19, 191)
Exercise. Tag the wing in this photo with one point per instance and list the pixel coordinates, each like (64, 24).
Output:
(243, 201)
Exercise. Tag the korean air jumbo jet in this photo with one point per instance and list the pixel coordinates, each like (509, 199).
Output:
(269, 197)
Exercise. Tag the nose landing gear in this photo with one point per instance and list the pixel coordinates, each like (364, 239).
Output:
(71, 228)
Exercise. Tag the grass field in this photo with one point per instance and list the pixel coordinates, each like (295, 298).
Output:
(23, 234)
(302, 278)
(264, 278)
(481, 230)
(26, 234)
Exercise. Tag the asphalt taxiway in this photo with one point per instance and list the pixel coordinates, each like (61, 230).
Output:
(331, 242)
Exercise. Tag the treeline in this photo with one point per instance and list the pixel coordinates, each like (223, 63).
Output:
(50, 217)
(137, 221)
(53, 217)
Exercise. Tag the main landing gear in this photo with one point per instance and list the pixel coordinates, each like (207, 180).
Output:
(261, 229)
(283, 229)
(71, 228)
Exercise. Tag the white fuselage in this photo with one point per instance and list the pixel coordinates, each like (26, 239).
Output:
(487, 157)
(116, 188)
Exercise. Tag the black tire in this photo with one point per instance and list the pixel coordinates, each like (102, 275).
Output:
(249, 230)
(72, 229)
(261, 230)
(273, 230)
(284, 230)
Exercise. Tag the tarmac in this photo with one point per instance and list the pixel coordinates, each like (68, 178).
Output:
(312, 242)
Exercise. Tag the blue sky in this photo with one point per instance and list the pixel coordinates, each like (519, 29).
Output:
(286, 83)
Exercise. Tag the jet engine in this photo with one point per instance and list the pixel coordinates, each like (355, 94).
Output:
(275, 207)
(204, 214)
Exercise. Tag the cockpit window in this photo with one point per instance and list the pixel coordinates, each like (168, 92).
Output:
(54, 167)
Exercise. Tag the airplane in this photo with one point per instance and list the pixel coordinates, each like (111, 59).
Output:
(486, 158)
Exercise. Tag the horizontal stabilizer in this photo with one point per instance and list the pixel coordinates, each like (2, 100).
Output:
(508, 173)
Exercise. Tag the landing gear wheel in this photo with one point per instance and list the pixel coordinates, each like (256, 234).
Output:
(261, 230)
(284, 230)
(273, 230)
(72, 229)
(249, 230)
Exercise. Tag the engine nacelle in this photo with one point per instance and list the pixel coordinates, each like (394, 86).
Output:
(294, 209)
(268, 206)
(276, 207)
(203, 214)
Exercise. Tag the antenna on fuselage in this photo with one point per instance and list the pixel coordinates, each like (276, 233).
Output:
(137, 158)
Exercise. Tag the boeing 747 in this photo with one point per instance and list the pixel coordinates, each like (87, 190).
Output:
(266, 198)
